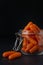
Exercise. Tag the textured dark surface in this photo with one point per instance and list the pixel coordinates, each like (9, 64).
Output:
(5, 44)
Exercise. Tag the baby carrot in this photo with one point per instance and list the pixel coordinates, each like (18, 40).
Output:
(23, 49)
(32, 41)
(14, 55)
(33, 49)
(29, 46)
(24, 42)
(36, 27)
(37, 38)
(7, 53)
(40, 48)
(33, 29)
(27, 27)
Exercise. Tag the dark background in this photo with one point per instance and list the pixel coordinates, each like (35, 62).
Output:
(14, 15)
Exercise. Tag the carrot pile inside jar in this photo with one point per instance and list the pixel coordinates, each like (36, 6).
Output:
(30, 38)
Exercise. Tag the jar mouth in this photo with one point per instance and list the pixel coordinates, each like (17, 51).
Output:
(29, 33)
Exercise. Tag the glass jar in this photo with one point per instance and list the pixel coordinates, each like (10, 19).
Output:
(27, 35)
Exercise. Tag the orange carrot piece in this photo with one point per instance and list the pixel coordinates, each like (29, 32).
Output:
(7, 53)
(34, 28)
(37, 38)
(23, 49)
(37, 27)
(15, 55)
(24, 42)
(40, 48)
(33, 49)
(27, 27)
(33, 41)
(29, 46)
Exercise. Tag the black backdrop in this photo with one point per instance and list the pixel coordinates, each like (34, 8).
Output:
(14, 15)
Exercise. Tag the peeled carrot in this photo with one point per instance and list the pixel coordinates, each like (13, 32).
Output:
(34, 49)
(29, 46)
(40, 48)
(23, 49)
(37, 37)
(14, 55)
(27, 27)
(7, 53)
(32, 41)
(26, 33)
(34, 28)
(24, 42)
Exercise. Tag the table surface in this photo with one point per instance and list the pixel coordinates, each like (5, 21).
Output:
(24, 60)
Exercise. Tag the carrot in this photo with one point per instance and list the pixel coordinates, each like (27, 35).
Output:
(37, 37)
(26, 32)
(7, 53)
(34, 28)
(33, 49)
(23, 49)
(27, 27)
(29, 46)
(14, 55)
(24, 42)
(33, 41)
(40, 48)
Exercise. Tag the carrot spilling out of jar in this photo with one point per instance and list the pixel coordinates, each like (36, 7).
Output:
(11, 54)
(7, 53)
(14, 55)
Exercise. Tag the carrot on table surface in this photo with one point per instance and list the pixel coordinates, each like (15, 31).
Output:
(7, 53)
(27, 27)
(15, 55)
(34, 49)
(29, 46)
